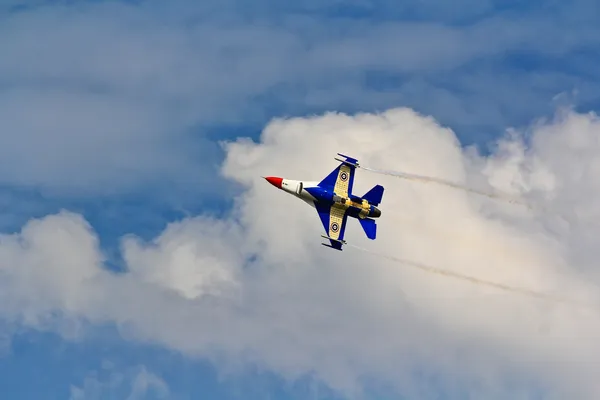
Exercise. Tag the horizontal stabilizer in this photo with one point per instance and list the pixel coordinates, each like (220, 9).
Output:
(374, 195)
(369, 227)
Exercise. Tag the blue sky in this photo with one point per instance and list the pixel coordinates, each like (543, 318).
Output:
(116, 110)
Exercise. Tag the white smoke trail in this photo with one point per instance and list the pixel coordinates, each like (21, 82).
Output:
(429, 179)
(477, 281)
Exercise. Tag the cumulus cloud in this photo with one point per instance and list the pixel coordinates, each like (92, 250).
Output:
(132, 384)
(198, 268)
(107, 93)
(257, 287)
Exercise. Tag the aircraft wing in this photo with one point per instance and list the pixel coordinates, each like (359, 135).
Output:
(334, 221)
(341, 179)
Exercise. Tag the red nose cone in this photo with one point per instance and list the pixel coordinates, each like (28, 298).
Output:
(275, 181)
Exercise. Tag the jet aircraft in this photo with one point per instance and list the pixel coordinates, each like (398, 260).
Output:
(334, 201)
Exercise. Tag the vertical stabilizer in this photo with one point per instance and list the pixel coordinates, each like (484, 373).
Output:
(374, 195)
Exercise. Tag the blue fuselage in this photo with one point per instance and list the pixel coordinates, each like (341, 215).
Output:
(357, 207)
(333, 199)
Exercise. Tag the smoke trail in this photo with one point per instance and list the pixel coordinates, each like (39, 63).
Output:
(478, 281)
(429, 179)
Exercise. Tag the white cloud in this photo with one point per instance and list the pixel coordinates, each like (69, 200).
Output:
(136, 383)
(197, 267)
(258, 287)
(107, 93)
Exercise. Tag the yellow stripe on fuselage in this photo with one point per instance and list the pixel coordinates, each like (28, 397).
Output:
(364, 206)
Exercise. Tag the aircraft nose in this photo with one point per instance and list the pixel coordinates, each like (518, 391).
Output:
(274, 180)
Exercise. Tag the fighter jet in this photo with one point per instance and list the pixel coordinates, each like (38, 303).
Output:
(334, 201)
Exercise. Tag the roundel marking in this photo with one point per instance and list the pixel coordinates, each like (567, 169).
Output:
(344, 176)
(334, 227)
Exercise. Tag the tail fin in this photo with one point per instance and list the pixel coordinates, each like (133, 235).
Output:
(374, 195)
(369, 227)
